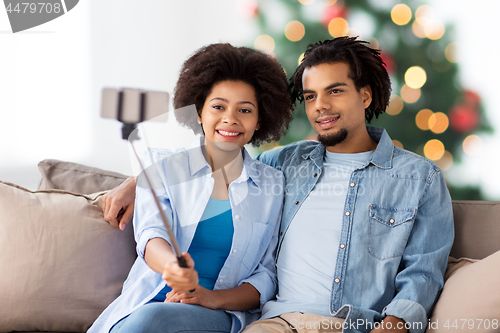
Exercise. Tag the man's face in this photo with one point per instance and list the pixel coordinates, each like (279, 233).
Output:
(336, 110)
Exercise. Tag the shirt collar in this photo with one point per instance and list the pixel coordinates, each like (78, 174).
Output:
(197, 163)
(382, 156)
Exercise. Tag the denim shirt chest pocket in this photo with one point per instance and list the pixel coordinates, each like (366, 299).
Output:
(389, 231)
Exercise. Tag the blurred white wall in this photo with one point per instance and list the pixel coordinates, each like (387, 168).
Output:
(51, 77)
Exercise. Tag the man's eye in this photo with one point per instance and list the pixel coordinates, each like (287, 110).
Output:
(335, 91)
(308, 97)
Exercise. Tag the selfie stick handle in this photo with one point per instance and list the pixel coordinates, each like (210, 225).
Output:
(129, 134)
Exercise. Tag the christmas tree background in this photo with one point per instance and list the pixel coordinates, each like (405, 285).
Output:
(430, 112)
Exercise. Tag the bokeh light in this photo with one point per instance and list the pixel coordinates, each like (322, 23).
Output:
(396, 105)
(424, 14)
(446, 161)
(434, 149)
(410, 95)
(418, 29)
(415, 77)
(294, 31)
(264, 43)
(338, 27)
(450, 52)
(422, 119)
(438, 122)
(301, 57)
(306, 2)
(397, 143)
(401, 14)
(434, 29)
(472, 145)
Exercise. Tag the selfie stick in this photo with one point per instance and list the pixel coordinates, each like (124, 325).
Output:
(126, 128)
(132, 106)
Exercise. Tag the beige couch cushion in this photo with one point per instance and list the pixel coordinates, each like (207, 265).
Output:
(76, 177)
(477, 228)
(61, 264)
(470, 300)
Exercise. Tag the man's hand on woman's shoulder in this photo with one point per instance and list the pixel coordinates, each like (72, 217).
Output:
(118, 204)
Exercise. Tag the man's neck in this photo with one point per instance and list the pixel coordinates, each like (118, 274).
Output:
(354, 143)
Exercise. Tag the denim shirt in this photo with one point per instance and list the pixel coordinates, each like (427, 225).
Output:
(256, 214)
(397, 231)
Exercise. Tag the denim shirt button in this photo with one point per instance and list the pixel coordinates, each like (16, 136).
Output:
(337, 280)
(347, 213)
(237, 217)
(315, 175)
(296, 202)
(352, 184)
(391, 221)
(342, 246)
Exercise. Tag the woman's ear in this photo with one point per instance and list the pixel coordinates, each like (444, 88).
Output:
(257, 126)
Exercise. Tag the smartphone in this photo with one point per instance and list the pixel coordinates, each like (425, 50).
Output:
(132, 106)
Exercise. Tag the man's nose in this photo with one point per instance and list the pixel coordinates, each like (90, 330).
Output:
(323, 103)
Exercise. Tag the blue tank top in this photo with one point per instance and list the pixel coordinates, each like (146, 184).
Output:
(211, 244)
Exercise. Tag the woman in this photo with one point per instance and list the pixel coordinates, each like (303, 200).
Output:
(223, 205)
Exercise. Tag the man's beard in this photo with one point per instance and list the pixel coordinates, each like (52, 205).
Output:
(330, 140)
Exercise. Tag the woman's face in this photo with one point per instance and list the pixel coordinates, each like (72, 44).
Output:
(230, 113)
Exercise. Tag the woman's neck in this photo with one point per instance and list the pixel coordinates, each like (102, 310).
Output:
(226, 162)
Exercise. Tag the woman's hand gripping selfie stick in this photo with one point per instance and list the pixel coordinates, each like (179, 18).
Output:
(132, 106)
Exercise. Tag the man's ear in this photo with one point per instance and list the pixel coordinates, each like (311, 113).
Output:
(366, 94)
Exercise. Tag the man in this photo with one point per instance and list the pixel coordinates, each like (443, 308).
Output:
(367, 227)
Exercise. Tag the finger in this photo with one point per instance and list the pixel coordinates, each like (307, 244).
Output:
(127, 217)
(190, 300)
(189, 260)
(114, 210)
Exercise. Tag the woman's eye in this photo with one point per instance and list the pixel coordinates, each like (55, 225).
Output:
(218, 107)
(246, 110)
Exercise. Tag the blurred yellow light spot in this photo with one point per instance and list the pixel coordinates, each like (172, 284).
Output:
(434, 30)
(422, 119)
(264, 43)
(338, 27)
(330, 2)
(472, 145)
(395, 105)
(415, 77)
(294, 31)
(450, 52)
(401, 14)
(423, 14)
(397, 143)
(438, 122)
(446, 161)
(410, 95)
(374, 43)
(306, 2)
(434, 149)
(418, 29)
(301, 57)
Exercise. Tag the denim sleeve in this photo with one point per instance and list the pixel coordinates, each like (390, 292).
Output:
(270, 157)
(264, 276)
(424, 260)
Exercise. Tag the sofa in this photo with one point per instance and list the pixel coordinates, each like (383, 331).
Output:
(61, 264)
